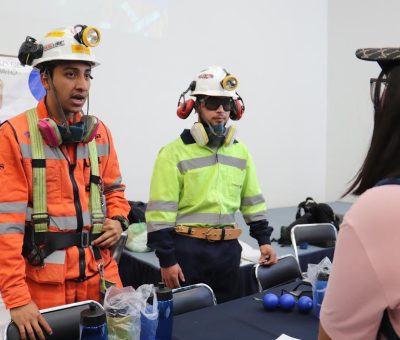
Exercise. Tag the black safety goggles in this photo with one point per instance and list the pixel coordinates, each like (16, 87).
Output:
(213, 103)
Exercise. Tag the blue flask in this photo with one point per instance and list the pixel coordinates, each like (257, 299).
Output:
(165, 312)
(319, 290)
(93, 323)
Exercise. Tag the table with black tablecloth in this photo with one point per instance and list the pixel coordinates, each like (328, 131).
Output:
(245, 319)
(139, 268)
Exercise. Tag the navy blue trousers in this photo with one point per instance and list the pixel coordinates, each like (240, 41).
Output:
(216, 264)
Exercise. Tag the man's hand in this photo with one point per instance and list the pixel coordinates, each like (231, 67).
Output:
(172, 275)
(28, 320)
(268, 255)
(112, 231)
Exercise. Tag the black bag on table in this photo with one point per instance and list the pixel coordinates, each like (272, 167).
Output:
(137, 213)
(309, 212)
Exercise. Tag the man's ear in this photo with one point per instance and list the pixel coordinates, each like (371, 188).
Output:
(44, 78)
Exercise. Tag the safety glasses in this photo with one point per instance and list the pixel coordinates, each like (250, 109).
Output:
(213, 103)
(377, 89)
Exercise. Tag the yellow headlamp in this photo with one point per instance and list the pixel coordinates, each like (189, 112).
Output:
(88, 35)
(230, 83)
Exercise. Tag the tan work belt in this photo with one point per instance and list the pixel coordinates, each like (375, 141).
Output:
(209, 233)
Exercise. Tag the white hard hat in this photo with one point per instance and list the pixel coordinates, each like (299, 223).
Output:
(215, 81)
(70, 43)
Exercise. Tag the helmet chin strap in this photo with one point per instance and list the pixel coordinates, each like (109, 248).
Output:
(61, 110)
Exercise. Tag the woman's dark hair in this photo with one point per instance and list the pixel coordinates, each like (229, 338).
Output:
(383, 157)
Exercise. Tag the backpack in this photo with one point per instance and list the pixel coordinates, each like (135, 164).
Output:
(310, 211)
(137, 213)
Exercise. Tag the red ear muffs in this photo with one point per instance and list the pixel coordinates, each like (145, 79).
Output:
(185, 108)
(238, 110)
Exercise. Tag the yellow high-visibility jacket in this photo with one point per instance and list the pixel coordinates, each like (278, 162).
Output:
(196, 185)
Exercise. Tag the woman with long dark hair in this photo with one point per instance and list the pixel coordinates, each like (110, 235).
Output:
(363, 296)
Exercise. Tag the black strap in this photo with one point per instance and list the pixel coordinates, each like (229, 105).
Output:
(38, 163)
(52, 241)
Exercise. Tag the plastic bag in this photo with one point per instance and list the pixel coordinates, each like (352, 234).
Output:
(123, 308)
(137, 238)
(314, 269)
(149, 320)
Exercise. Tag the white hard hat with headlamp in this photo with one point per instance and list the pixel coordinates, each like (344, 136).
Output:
(215, 81)
(69, 44)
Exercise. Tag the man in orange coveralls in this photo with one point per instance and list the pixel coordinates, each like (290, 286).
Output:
(62, 204)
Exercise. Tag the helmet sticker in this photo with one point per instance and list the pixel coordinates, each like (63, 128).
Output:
(56, 34)
(80, 49)
(49, 46)
(206, 76)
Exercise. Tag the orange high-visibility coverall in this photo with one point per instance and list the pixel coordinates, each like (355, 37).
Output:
(67, 179)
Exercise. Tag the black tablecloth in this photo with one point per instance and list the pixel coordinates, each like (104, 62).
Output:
(245, 319)
(135, 272)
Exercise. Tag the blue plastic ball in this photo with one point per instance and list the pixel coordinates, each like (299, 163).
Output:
(287, 301)
(270, 301)
(305, 304)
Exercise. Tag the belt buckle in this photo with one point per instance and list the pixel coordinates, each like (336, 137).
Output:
(207, 234)
(85, 239)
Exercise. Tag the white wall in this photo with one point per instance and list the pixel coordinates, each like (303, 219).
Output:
(351, 25)
(278, 50)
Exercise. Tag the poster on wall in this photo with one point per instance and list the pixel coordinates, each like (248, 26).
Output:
(20, 87)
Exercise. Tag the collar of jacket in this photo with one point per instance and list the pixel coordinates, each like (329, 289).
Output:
(187, 137)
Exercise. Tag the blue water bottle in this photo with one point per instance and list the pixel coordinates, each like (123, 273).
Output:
(93, 323)
(165, 315)
(319, 290)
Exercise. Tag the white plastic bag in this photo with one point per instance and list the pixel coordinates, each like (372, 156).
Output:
(313, 269)
(149, 319)
(123, 308)
(137, 238)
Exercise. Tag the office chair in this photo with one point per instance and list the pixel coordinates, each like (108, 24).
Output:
(312, 233)
(63, 320)
(192, 297)
(119, 246)
(287, 269)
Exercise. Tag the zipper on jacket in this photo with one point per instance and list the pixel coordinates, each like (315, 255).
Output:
(218, 191)
(79, 219)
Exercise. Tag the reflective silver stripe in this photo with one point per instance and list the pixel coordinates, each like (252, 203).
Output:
(156, 226)
(206, 218)
(253, 200)
(14, 207)
(196, 163)
(232, 161)
(49, 151)
(169, 206)
(12, 228)
(64, 222)
(82, 152)
(116, 186)
(261, 215)
(202, 162)
(56, 257)
(103, 149)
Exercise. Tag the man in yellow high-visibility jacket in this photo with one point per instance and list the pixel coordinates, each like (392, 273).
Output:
(199, 181)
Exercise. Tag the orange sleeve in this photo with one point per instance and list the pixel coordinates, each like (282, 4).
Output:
(13, 205)
(112, 180)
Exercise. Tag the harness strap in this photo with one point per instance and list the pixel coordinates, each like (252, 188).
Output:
(40, 217)
(95, 190)
(38, 242)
